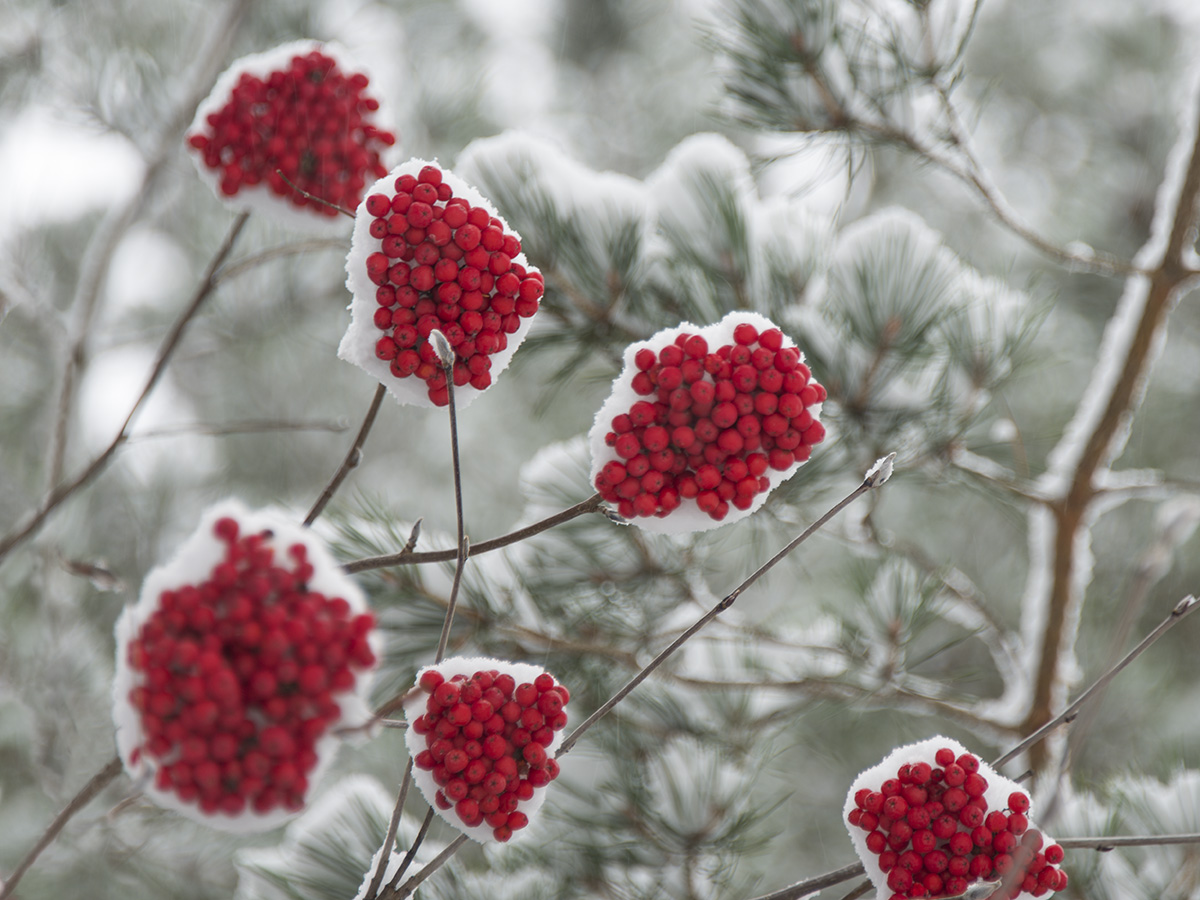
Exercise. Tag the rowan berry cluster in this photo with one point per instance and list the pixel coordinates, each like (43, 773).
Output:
(238, 677)
(448, 265)
(934, 835)
(713, 423)
(309, 121)
(486, 740)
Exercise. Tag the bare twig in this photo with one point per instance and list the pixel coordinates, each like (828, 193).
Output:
(98, 256)
(313, 197)
(446, 355)
(876, 477)
(237, 268)
(245, 426)
(817, 883)
(353, 458)
(593, 503)
(1181, 609)
(87, 793)
(406, 889)
(35, 520)
(412, 851)
(1101, 844)
(390, 838)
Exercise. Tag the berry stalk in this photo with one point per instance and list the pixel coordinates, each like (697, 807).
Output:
(353, 458)
(592, 504)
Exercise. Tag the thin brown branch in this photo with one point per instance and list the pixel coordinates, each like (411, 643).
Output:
(817, 883)
(406, 889)
(352, 459)
(56, 497)
(244, 426)
(312, 197)
(1181, 609)
(87, 793)
(875, 477)
(1072, 512)
(234, 269)
(407, 557)
(98, 255)
(1101, 844)
(412, 851)
(390, 838)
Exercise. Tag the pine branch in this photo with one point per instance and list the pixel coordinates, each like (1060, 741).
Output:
(64, 491)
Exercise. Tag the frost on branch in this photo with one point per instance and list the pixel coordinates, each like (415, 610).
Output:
(703, 423)
(299, 112)
(932, 820)
(241, 656)
(430, 253)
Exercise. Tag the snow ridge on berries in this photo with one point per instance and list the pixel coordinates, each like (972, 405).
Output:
(932, 820)
(240, 657)
(704, 422)
(429, 253)
(299, 110)
(482, 734)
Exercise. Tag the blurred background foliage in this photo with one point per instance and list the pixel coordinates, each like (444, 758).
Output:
(652, 158)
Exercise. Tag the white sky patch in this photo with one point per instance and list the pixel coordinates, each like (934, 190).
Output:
(521, 81)
(53, 170)
(114, 381)
(148, 268)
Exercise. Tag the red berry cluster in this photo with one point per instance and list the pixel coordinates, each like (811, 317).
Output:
(717, 422)
(239, 675)
(486, 738)
(308, 121)
(934, 835)
(446, 265)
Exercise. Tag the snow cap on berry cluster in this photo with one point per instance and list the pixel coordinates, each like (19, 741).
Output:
(997, 794)
(259, 198)
(363, 340)
(194, 564)
(415, 706)
(685, 514)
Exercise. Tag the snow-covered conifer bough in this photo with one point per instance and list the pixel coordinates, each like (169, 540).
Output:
(703, 423)
(430, 253)
(242, 656)
(299, 113)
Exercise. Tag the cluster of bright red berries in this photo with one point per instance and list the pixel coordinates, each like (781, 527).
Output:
(447, 265)
(717, 421)
(934, 835)
(239, 678)
(486, 738)
(309, 122)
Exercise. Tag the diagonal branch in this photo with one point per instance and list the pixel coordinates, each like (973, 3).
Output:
(56, 497)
